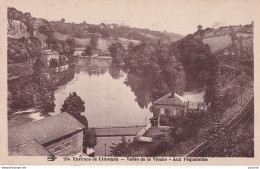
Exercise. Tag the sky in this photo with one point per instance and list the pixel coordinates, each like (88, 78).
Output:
(178, 16)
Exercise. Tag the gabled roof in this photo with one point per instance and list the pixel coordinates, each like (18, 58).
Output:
(177, 100)
(44, 130)
(49, 52)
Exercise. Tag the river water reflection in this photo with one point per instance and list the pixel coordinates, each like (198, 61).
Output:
(108, 100)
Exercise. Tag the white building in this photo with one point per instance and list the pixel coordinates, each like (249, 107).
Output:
(79, 52)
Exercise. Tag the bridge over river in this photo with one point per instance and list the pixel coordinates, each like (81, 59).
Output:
(118, 131)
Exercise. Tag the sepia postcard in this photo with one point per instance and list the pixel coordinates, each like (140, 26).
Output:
(119, 82)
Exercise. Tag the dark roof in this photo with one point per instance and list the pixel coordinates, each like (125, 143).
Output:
(172, 101)
(44, 131)
(32, 148)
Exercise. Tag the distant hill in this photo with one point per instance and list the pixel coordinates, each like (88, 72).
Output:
(110, 32)
(224, 37)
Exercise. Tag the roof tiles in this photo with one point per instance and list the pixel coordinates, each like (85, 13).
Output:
(44, 130)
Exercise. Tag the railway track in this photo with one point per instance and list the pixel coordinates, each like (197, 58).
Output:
(246, 114)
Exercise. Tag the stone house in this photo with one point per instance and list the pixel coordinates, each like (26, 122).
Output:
(59, 135)
(173, 105)
(48, 55)
(165, 107)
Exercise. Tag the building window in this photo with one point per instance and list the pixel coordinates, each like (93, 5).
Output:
(68, 144)
(57, 149)
(162, 110)
(174, 112)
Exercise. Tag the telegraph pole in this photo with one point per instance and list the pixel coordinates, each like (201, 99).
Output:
(105, 149)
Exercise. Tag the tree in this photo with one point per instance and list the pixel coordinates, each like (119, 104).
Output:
(62, 20)
(90, 138)
(194, 56)
(104, 33)
(117, 52)
(37, 71)
(71, 45)
(73, 104)
(43, 88)
(199, 27)
(93, 42)
(160, 148)
(213, 90)
(120, 149)
(88, 50)
(43, 29)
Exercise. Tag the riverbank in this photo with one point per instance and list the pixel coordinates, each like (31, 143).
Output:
(24, 116)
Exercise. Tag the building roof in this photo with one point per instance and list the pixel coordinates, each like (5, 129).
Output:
(49, 52)
(177, 100)
(192, 106)
(44, 130)
(194, 97)
(32, 148)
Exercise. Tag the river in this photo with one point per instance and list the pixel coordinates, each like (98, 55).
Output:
(108, 100)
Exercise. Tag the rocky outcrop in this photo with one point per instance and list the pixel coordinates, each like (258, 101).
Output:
(16, 29)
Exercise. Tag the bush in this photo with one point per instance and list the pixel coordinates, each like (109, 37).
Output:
(160, 148)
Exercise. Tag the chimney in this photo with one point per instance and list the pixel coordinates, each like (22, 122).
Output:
(172, 93)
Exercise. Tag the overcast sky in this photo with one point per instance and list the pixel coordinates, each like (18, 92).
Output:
(181, 17)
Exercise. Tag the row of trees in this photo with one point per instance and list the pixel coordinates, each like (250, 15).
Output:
(84, 30)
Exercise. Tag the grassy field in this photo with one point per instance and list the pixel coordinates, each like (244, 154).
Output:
(218, 42)
(127, 41)
(78, 42)
(103, 44)
(61, 36)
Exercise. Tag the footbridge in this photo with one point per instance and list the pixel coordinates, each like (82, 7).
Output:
(113, 131)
